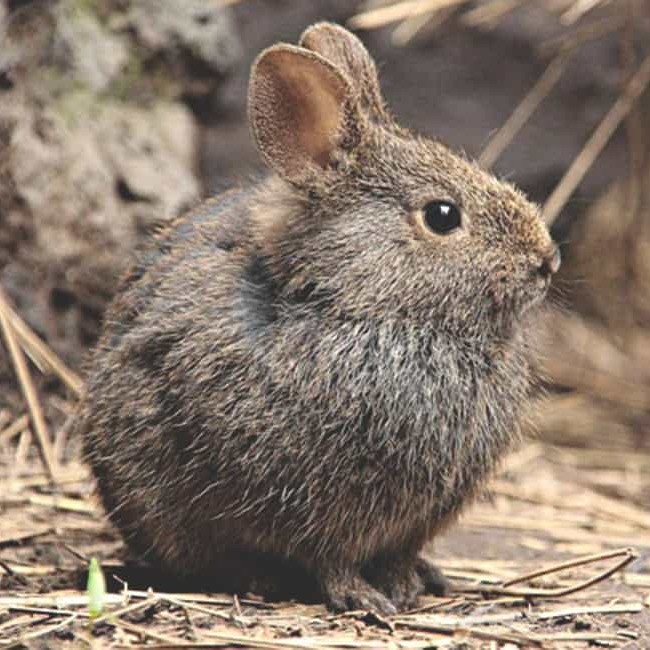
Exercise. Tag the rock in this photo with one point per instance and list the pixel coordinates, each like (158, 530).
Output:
(98, 148)
(194, 30)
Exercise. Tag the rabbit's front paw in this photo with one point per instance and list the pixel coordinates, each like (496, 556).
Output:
(397, 577)
(347, 590)
(433, 580)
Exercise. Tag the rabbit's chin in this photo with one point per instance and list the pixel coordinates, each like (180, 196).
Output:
(513, 311)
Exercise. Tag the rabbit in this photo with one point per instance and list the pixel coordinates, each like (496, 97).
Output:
(310, 376)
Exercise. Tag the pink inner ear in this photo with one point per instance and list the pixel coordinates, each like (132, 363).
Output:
(297, 109)
(318, 116)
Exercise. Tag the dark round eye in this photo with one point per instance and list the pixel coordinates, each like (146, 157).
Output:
(441, 217)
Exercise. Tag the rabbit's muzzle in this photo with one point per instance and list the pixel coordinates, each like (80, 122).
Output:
(550, 263)
(546, 266)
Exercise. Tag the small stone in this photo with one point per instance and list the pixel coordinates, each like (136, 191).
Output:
(581, 624)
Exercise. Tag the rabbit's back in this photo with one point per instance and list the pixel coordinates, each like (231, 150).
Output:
(138, 419)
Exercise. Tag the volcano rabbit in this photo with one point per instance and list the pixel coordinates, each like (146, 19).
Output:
(316, 372)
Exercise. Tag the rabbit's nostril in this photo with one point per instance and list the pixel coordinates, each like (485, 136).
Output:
(551, 263)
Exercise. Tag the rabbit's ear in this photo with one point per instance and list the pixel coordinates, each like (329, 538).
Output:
(348, 53)
(300, 108)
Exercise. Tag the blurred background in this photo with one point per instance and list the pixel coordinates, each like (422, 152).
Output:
(117, 115)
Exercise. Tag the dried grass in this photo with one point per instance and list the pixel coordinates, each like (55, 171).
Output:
(551, 564)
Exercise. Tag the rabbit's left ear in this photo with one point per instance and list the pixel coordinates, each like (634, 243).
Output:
(301, 109)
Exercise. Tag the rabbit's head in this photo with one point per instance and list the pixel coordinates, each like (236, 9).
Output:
(368, 220)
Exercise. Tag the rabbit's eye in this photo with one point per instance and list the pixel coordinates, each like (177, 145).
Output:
(441, 217)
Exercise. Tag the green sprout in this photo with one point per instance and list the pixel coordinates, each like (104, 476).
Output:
(96, 589)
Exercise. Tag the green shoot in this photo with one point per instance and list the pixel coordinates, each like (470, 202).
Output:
(96, 589)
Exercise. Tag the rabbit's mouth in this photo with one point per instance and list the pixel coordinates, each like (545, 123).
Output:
(524, 298)
(539, 273)
(518, 298)
(543, 283)
(535, 292)
(538, 281)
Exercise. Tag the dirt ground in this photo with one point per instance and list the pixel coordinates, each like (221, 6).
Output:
(548, 507)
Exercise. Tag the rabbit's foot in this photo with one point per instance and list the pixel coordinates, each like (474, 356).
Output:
(398, 578)
(432, 579)
(345, 589)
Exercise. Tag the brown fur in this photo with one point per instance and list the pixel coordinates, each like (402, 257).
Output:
(300, 374)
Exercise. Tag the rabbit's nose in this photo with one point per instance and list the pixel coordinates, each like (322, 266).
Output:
(550, 263)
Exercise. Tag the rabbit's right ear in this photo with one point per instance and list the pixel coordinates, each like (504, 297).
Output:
(301, 109)
(346, 51)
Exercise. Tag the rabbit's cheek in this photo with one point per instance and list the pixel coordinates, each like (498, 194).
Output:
(500, 286)
(500, 292)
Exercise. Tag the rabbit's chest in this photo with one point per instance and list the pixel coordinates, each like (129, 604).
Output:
(429, 447)
(388, 422)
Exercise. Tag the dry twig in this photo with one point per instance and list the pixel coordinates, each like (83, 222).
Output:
(596, 143)
(627, 554)
(523, 112)
(490, 12)
(392, 13)
(39, 352)
(28, 389)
